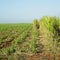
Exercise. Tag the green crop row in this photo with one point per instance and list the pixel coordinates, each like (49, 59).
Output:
(11, 32)
(50, 31)
(34, 37)
(17, 41)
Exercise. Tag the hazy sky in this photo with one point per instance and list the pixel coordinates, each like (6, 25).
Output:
(26, 10)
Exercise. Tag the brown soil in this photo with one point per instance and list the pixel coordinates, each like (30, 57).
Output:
(4, 45)
(43, 56)
(4, 37)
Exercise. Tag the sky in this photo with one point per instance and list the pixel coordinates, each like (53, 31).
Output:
(20, 11)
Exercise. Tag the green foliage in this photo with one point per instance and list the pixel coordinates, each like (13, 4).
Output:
(36, 23)
(10, 50)
(34, 38)
(50, 30)
(16, 33)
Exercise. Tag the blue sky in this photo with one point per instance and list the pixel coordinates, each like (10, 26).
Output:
(14, 11)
